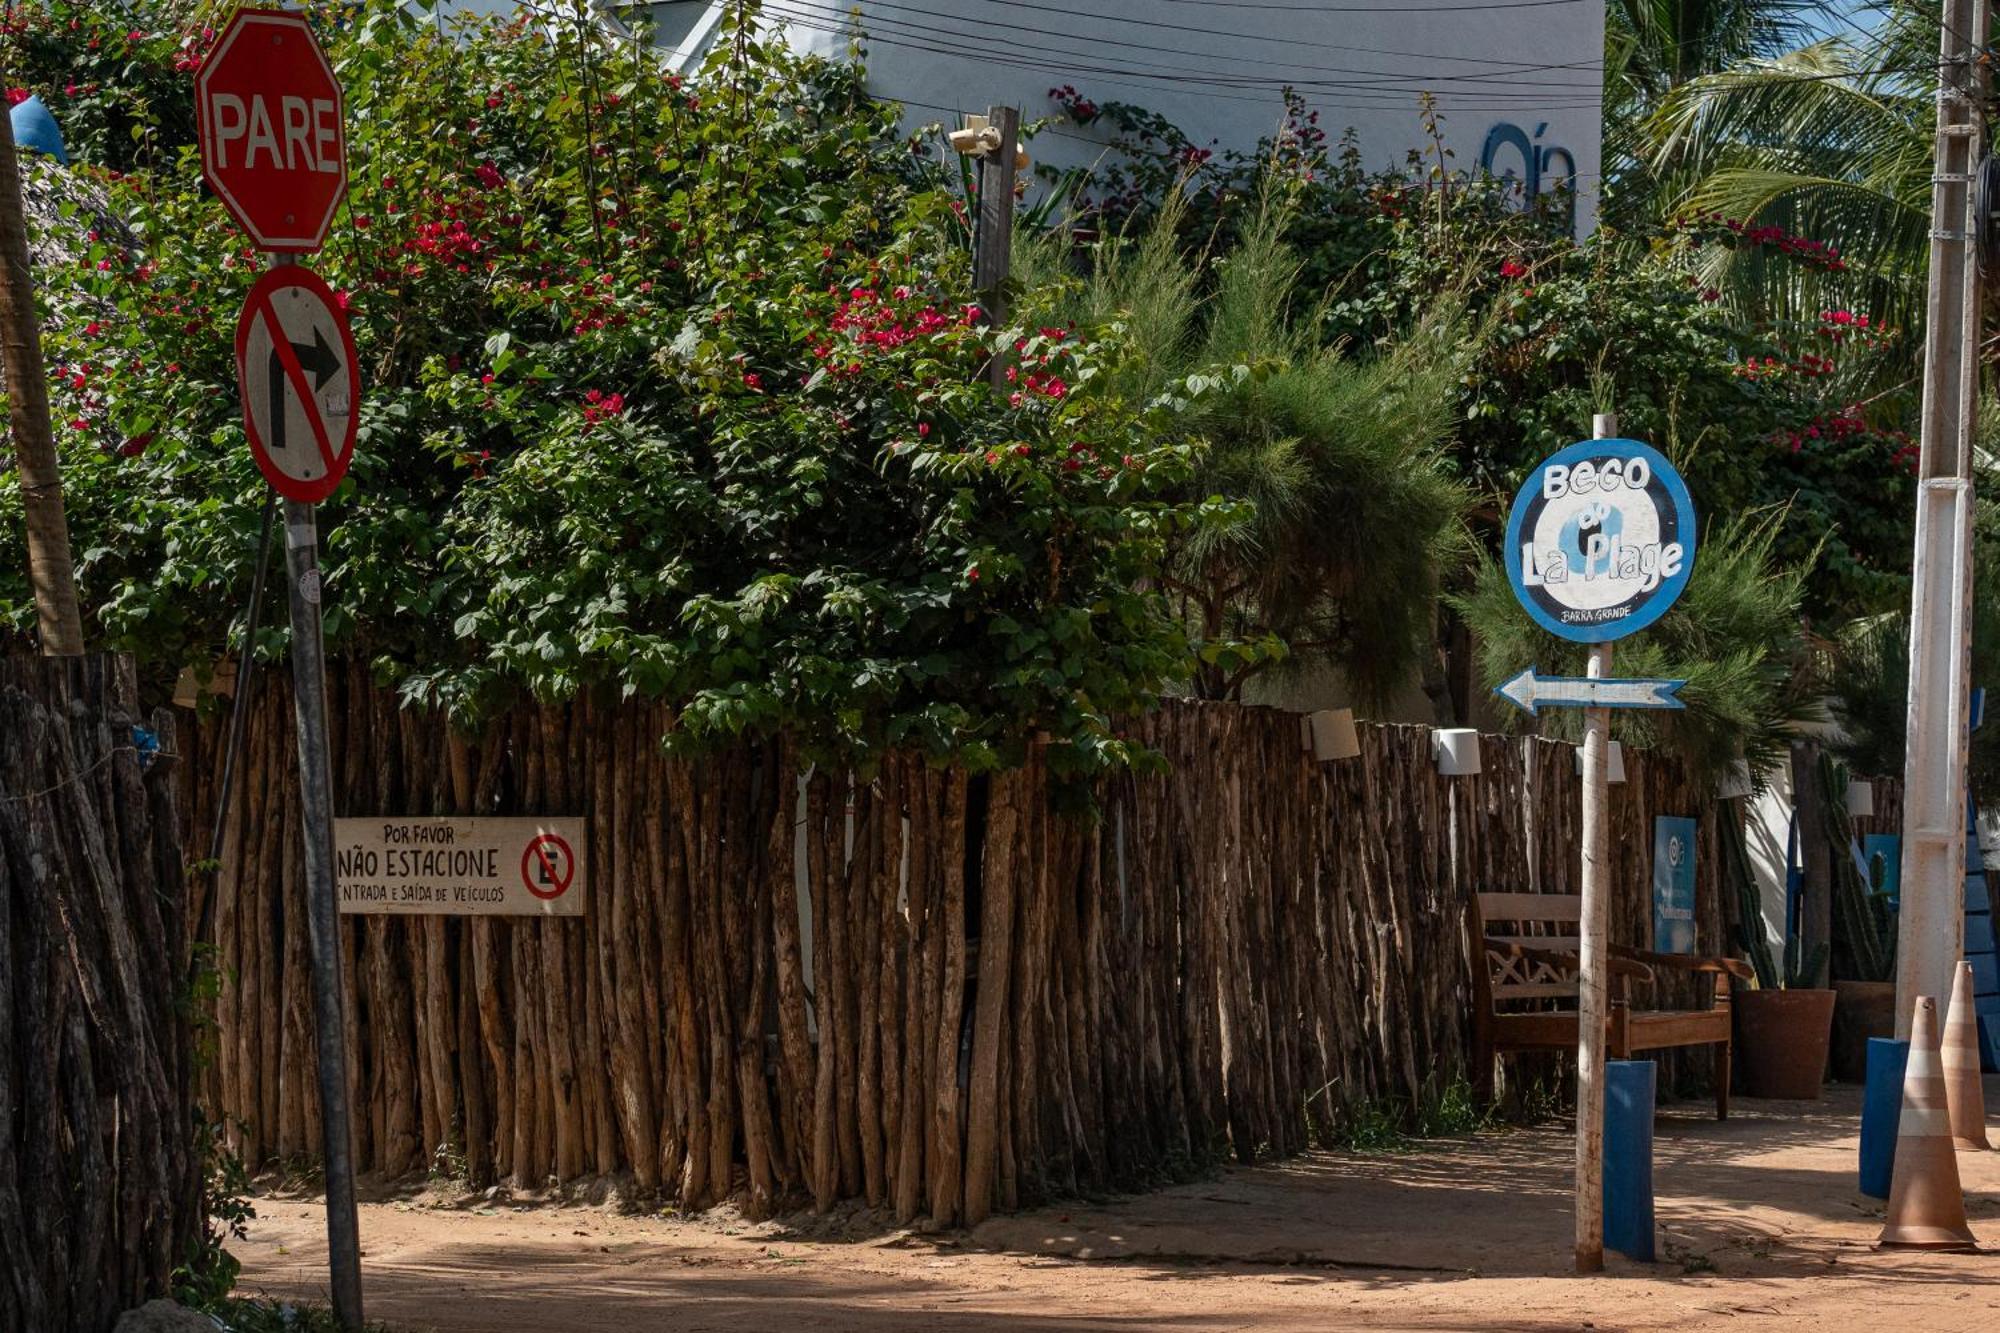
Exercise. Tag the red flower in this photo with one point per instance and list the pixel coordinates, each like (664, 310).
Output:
(753, 381)
(16, 96)
(1513, 268)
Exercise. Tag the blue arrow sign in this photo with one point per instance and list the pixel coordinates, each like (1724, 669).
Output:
(1533, 692)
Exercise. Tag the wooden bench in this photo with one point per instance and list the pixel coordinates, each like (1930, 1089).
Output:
(1525, 983)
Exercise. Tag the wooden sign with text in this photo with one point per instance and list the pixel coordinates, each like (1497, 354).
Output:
(448, 866)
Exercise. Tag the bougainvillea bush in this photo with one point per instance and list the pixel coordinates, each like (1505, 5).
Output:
(671, 386)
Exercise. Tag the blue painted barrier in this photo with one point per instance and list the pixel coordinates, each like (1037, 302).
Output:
(1628, 1158)
(1881, 1109)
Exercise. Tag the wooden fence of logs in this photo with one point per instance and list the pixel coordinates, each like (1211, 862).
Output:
(99, 1178)
(922, 989)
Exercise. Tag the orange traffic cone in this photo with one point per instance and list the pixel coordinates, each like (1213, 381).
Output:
(1964, 1098)
(1926, 1204)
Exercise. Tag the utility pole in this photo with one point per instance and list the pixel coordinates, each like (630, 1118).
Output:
(1933, 872)
(1593, 1005)
(50, 571)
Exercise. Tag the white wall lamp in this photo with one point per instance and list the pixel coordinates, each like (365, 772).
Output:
(1614, 762)
(1736, 782)
(1457, 751)
(1330, 734)
(1860, 799)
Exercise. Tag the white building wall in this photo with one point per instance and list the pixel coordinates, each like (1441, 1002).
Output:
(1518, 82)
(1217, 69)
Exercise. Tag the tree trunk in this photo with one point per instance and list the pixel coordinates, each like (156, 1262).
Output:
(49, 569)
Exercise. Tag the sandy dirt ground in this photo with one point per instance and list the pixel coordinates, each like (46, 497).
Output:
(1760, 1227)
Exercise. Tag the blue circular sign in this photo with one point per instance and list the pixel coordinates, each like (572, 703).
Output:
(1601, 540)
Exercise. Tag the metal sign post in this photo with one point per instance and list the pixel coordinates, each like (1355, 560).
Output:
(343, 1228)
(1600, 543)
(274, 149)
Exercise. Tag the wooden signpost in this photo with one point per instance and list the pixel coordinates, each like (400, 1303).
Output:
(274, 150)
(1599, 544)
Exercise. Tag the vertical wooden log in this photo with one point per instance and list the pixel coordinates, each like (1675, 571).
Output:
(946, 1156)
(825, 1152)
(996, 935)
(794, 1041)
(863, 920)
(920, 996)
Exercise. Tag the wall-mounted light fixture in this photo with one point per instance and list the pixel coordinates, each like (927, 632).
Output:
(1860, 799)
(1614, 762)
(1329, 734)
(1457, 750)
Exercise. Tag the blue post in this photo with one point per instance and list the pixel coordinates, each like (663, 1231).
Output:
(1628, 1158)
(1881, 1109)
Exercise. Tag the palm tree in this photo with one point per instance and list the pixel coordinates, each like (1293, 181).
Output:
(1832, 142)
(1652, 47)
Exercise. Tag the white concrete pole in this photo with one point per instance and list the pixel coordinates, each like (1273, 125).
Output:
(1592, 996)
(1933, 873)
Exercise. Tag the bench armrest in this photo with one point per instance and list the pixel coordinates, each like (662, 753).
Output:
(1687, 962)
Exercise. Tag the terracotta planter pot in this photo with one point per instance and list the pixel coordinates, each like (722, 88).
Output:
(1861, 1009)
(1782, 1036)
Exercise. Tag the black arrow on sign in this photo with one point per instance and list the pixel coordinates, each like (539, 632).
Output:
(317, 360)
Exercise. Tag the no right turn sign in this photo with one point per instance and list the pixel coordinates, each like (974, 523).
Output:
(300, 380)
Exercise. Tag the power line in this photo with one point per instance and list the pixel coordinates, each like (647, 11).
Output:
(867, 21)
(1211, 87)
(889, 29)
(1288, 39)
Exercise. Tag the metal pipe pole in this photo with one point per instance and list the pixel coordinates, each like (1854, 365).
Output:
(1933, 871)
(343, 1234)
(1592, 993)
(343, 1226)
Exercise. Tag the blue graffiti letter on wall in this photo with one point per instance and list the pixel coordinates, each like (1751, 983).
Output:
(1538, 164)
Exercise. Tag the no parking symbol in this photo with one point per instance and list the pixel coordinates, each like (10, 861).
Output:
(548, 866)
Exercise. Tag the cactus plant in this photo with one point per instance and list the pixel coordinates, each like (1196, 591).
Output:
(1865, 925)
(1750, 908)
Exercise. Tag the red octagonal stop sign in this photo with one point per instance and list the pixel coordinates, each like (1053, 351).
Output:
(273, 144)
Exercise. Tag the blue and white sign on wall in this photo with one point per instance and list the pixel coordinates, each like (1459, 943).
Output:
(1601, 540)
(1673, 884)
